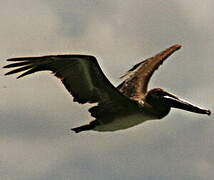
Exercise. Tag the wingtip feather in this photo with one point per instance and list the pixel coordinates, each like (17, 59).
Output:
(176, 46)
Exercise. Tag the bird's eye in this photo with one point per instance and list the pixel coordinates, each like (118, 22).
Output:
(158, 94)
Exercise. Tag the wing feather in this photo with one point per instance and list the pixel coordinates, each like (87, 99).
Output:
(81, 76)
(135, 86)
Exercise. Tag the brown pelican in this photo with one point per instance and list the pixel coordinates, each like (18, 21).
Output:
(116, 108)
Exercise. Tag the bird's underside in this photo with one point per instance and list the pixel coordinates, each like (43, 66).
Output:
(117, 108)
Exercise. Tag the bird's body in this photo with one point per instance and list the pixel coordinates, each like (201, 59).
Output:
(117, 108)
(125, 121)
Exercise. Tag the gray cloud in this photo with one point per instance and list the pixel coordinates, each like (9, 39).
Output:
(37, 113)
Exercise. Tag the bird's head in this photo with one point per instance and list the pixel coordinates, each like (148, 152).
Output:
(163, 101)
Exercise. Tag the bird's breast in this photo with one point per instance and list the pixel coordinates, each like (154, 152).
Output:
(124, 122)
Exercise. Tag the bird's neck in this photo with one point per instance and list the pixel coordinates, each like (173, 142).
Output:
(158, 111)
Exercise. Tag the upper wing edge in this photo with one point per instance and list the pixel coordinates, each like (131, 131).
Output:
(75, 82)
(162, 55)
(135, 85)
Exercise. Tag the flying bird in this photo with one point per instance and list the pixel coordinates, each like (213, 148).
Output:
(116, 108)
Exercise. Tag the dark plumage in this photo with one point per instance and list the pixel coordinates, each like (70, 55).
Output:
(117, 108)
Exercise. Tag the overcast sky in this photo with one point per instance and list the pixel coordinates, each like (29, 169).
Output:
(36, 112)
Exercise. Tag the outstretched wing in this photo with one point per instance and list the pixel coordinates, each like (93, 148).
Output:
(80, 74)
(135, 86)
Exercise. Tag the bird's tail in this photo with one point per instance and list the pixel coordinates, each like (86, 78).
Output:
(83, 128)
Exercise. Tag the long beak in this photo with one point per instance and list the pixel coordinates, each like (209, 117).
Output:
(175, 102)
